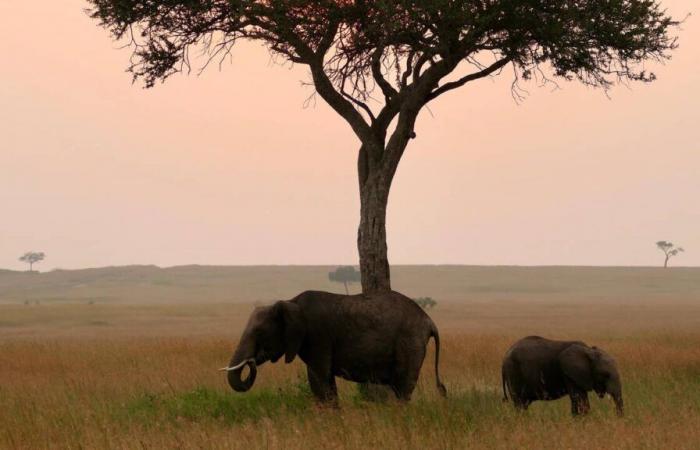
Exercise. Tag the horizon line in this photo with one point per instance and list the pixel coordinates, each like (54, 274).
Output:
(542, 266)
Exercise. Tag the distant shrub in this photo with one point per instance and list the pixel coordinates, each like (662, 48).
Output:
(345, 275)
(425, 302)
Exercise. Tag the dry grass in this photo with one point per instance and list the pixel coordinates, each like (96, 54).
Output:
(123, 375)
(165, 393)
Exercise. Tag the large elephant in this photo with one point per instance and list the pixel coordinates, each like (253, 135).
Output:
(535, 368)
(380, 339)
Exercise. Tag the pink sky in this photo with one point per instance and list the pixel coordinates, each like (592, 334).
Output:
(229, 168)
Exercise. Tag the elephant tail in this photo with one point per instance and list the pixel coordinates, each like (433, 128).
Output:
(436, 336)
(503, 385)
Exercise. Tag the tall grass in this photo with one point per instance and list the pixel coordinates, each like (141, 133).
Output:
(166, 393)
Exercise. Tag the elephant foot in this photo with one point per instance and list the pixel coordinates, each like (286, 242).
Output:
(375, 393)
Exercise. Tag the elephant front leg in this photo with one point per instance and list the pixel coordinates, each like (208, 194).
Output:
(579, 403)
(323, 385)
(521, 404)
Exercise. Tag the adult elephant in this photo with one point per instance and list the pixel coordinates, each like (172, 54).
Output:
(380, 339)
(535, 368)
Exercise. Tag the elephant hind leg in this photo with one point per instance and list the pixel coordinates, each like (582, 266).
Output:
(404, 383)
(403, 390)
(409, 359)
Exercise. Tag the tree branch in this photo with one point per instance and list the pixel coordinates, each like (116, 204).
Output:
(424, 58)
(384, 85)
(335, 99)
(339, 103)
(409, 68)
(360, 104)
(466, 79)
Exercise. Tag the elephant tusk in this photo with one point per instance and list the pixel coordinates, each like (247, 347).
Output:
(229, 369)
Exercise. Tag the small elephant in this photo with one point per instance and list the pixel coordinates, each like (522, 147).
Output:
(535, 368)
(380, 339)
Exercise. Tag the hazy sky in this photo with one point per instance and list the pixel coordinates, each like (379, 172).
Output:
(229, 168)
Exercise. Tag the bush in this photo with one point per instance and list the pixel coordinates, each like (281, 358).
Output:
(425, 302)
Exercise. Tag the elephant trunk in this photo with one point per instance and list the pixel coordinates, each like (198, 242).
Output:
(242, 358)
(619, 404)
(614, 388)
(234, 376)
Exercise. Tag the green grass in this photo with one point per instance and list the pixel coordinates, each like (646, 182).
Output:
(471, 407)
(204, 403)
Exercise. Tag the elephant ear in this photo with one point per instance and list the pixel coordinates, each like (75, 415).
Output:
(293, 326)
(577, 364)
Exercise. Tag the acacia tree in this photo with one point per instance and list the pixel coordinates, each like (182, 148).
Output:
(379, 63)
(32, 258)
(345, 275)
(669, 250)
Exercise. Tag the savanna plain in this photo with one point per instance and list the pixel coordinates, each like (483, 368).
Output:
(127, 357)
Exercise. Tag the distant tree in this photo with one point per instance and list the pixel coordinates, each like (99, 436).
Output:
(345, 275)
(379, 63)
(425, 302)
(669, 250)
(31, 258)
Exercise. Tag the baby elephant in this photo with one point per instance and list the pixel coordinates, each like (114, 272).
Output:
(536, 368)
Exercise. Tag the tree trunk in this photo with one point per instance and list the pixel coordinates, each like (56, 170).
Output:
(30, 266)
(377, 164)
(666, 262)
(371, 235)
(346, 288)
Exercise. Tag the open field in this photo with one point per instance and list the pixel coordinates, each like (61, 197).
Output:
(137, 367)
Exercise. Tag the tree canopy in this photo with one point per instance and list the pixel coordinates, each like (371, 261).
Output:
(353, 47)
(378, 63)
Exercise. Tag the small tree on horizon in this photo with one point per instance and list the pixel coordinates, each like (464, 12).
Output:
(345, 275)
(31, 258)
(379, 63)
(669, 250)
